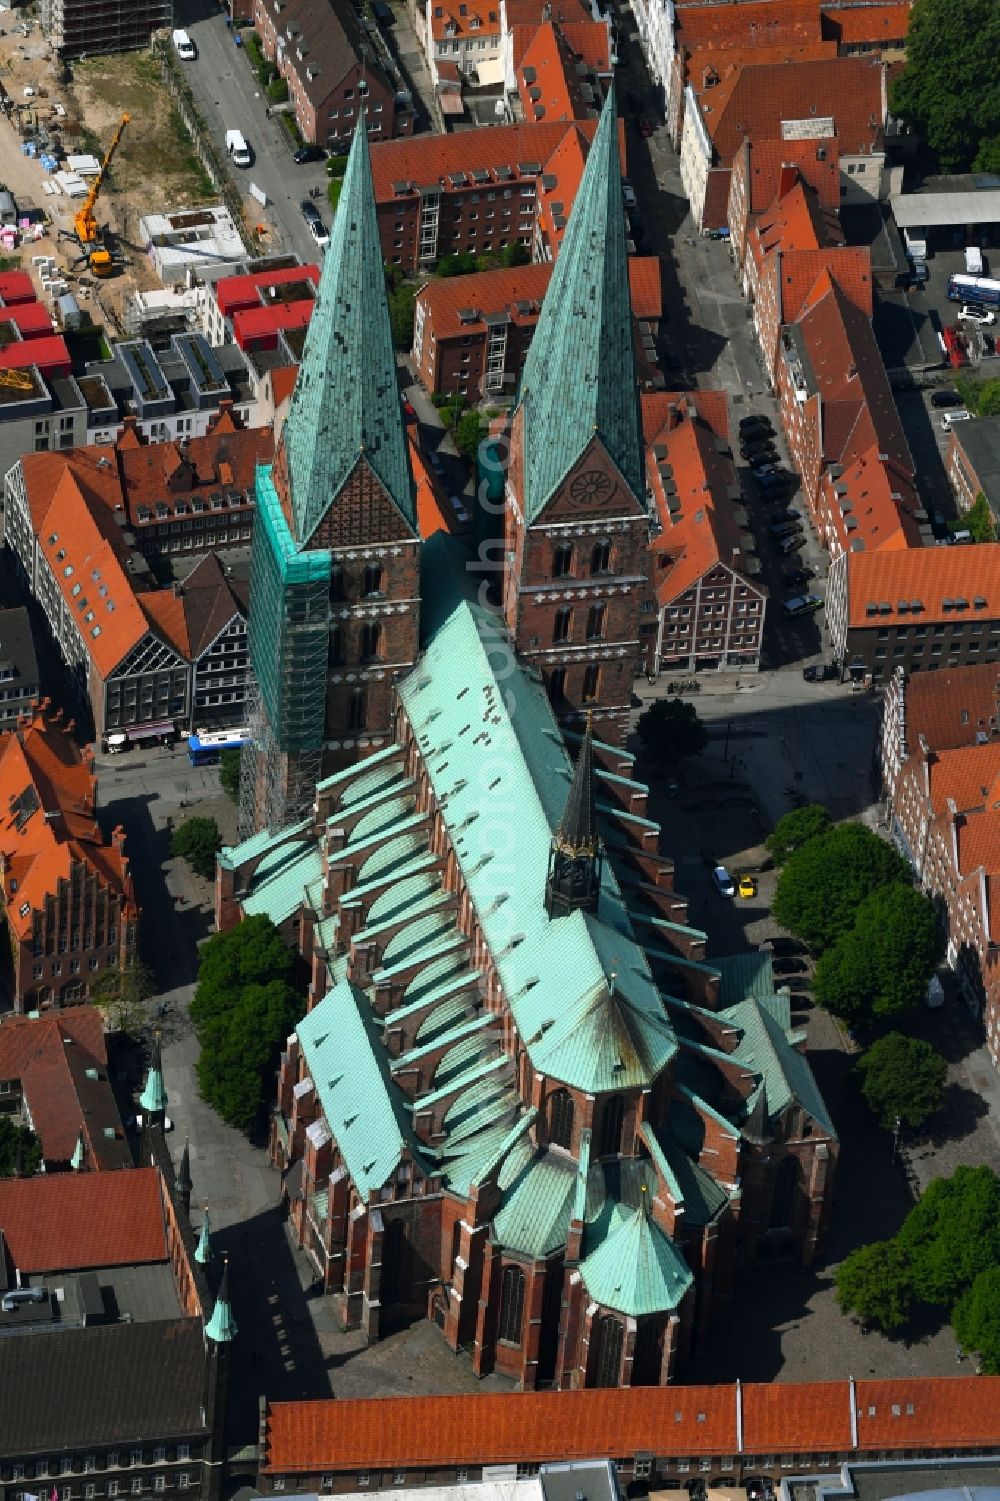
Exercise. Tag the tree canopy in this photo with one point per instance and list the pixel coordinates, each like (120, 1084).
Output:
(978, 520)
(795, 829)
(20, 1150)
(948, 1243)
(229, 774)
(120, 994)
(198, 841)
(948, 90)
(670, 730)
(881, 965)
(902, 1078)
(243, 1009)
(874, 1283)
(981, 397)
(976, 1320)
(825, 881)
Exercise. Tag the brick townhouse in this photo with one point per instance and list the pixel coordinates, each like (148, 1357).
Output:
(476, 191)
(333, 71)
(564, 71)
(710, 601)
(68, 898)
(973, 463)
(761, 173)
(919, 608)
(466, 34)
(946, 820)
(845, 97)
(472, 333)
(950, 708)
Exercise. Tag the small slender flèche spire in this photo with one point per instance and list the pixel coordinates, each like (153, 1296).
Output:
(154, 1096)
(574, 878)
(79, 1154)
(203, 1250)
(221, 1327)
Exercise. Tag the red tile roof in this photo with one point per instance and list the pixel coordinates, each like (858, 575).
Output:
(42, 772)
(967, 777)
(547, 80)
(849, 266)
(50, 1056)
(754, 101)
(822, 173)
(235, 292)
(928, 574)
(252, 326)
(761, 24)
(433, 515)
(456, 20)
(782, 1416)
(921, 1414)
(74, 1220)
(415, 1432)
(424, 160)
(866, 23)
(877, 506)
(928, 1412)
(952, 706)
(486, 292)
(31, 319)
(224, 458)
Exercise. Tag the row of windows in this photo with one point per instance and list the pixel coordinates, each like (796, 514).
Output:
(114, 1459)
(590, 691)
(370, 640)
(55, 968)
(372, 582)
(564, 559)
(134, 1487)
(562, 625)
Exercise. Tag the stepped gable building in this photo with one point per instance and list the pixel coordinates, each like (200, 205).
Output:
(522, 1103)
(577, 522)
(54, 1075)
(67, 891)
(336, 548)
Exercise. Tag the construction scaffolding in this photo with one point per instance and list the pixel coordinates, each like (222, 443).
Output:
(75, 27)
(289, 633)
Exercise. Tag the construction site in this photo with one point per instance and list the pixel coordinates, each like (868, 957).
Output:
(87, 151)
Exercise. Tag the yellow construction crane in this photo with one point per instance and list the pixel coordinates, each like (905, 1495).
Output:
(86, 230)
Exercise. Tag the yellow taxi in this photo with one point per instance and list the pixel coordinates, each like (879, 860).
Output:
(747, 886)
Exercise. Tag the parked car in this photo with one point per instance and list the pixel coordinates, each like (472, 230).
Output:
(628, 194)
(945, 398)
(782, 945)
(755, 420)
(756, 443)
(773, 484)
(802, 604)
(791, 543)
(314, 223)
(958, 414)
(788, 515)
(821, 672)
(790, 966)
(797, 576)
(646, 128)
(309, 154)
(981, 315)
(747, 887)
(782, 529)
(723, 881)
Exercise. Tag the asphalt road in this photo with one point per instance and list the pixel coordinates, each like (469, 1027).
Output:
(229, 99)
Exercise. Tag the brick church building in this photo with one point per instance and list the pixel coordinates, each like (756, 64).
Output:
(524, 1102)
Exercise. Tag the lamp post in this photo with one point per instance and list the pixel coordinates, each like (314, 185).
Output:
(896, 1125)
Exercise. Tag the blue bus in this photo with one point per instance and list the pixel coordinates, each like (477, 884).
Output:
(206, 746)
(981, 290)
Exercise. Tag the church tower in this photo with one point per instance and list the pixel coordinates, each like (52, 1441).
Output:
(334, 569)
(577, 526)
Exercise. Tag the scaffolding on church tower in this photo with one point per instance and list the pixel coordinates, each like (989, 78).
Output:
(286, 687)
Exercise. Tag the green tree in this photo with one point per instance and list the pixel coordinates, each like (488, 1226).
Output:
(874, 1282)
(229, 774)
(976, 1320)
(952, 1234)
(336, 166)
(121, 993)
(402, 303)
(978, 520)
(795, 829)
(902, 1079)
(244, 1007)
(20, 1150)
(881, 965)
(277, 91)
(947, 90)
(981, 397)
(824, 882)
(198, 841)
(470, 430)
(334, 188)
(515, 255)
(670, 730)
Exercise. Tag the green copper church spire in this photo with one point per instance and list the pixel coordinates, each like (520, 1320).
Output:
(203, 1250)
(221, 1327)
(579, 380)
(154, 1097)
(346, 402)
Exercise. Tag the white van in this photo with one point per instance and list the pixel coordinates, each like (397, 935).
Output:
(184, 47)
(238, 148)
(973, 260)
(950, 418)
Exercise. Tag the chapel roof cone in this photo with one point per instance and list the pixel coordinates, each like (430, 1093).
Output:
(203, 1250)
(221, 1327)
(154, 1096)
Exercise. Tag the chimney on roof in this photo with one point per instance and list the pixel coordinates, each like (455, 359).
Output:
(787, 178)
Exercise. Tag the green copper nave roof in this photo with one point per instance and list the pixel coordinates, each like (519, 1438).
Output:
(346, 400)
(579, 379)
